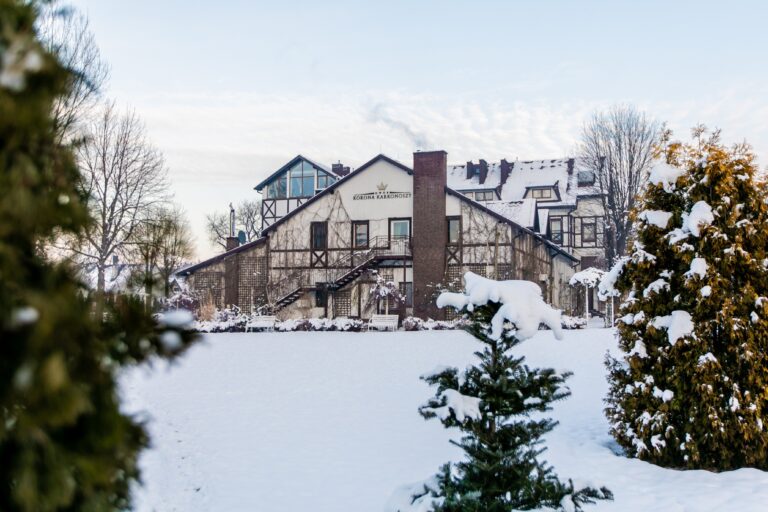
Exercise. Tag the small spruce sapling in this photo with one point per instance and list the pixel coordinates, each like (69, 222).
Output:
(492, 403)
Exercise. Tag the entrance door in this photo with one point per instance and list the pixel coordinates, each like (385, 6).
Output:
(319, 244)
(399, 234)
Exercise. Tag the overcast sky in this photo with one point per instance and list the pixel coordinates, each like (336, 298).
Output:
(231, 90)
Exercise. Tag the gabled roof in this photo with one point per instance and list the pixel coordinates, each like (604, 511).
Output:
(506, 220)
(211, 261)
(457, 178)
(334, 186)
(287, 166)
(560, 173)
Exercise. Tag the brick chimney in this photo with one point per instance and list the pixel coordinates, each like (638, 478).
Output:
(429, 230)
(483, 171)
(470, 170)
(506, 169)
(339, 169)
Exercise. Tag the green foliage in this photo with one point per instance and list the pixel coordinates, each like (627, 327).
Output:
(699, 401)
(64, 443)
(502, 443)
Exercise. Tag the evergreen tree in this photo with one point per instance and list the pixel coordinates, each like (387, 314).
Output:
(689, 391)
(491, 402)
(64, 443)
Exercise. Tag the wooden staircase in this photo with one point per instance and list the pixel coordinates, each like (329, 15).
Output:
(341, 272)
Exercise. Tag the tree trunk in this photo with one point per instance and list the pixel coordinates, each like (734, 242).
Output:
(100, 281)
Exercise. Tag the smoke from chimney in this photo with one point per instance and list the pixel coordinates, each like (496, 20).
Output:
(378, 115)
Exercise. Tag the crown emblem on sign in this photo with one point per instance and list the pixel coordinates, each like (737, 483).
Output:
(381, 186)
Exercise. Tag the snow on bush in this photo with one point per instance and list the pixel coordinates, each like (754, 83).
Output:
(699, 217)
(658, 218)
(573, 322)
(698, 268)
(412, 323)
(589, 277)
(232, 321)
(678, 325)
(607, 286)
(522, 305)
(665, 175)
(683, 393)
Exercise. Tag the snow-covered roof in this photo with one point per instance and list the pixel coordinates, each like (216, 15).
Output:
(457, 178)
(560, 174)
(521, 212)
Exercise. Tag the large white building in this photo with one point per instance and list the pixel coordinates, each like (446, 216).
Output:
(326, 229)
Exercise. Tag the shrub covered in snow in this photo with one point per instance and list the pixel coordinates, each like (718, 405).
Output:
(690, 389)
(231, 320)
(412, 323)
(180, 300)
(385, 291)
(320, 324)
(573, 322)
(589, 277)
(491, 403)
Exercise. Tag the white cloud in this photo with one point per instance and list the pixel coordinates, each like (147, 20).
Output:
(218, 147)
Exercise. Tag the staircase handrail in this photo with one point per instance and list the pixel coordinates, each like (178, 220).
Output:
(377, 246)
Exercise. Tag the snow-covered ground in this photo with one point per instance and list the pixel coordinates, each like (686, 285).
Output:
(327, 421)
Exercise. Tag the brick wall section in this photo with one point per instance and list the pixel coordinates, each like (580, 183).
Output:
(429, 230)
(232, 275)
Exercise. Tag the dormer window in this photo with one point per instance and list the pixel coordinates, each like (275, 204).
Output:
(484, 195)
(541, 193)
(586, 178)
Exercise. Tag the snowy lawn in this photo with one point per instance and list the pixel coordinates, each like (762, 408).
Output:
(327, 421)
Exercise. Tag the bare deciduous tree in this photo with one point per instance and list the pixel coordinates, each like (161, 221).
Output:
(160, 244)
(177, 245)
(620, 145)
(247, 219)
(217, 227)
(67, 34)
(122, 176)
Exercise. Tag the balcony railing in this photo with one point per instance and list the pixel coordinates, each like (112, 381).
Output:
(378, 248)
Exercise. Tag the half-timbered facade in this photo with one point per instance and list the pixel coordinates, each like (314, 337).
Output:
(319, 254)
(557, 198)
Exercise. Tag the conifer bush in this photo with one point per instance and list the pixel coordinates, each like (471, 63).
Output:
(689, 390)
(64, 442)
(497, 403)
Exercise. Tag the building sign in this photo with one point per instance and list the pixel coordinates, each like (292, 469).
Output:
(382, 193)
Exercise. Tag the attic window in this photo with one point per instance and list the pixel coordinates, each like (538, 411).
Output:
(324, 180)
(302, 180)
(541, 193)
(586, 178)
(484, 195)
(278, 188)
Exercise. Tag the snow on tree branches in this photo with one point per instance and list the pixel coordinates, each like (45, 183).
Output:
(689, 390)
(491, 403)
(65, 441)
